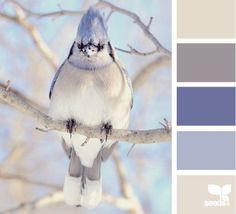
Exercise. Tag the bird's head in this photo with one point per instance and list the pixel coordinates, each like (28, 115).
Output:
(91, 45)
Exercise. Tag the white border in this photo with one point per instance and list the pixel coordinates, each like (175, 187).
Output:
(207, 41)
(206, 84)
(174, 108)
(206, 128)
(206, 172)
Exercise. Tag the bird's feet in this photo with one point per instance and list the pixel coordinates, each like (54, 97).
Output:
(71, 126)
(107, 128)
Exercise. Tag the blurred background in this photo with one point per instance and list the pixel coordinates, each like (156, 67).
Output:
(32, 163)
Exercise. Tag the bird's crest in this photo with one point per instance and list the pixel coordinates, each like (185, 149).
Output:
(92, 27)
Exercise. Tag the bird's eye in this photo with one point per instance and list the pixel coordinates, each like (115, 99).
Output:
(80, 46)
(100, 47)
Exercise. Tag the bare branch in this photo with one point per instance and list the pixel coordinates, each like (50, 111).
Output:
(61, 12)
(134, 136)
(8, 85)
(119, 202)
(126, 188)
(101, 3)
(109, 15)
(57, 197)
(149, 23)
(20, 19)
(11, 176)
(137, 21)
(51, 58)
(19, 94)
(145, 72)
(136, 52)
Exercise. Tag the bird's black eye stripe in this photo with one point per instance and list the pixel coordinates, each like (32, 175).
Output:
(100, 47)
(81, 46)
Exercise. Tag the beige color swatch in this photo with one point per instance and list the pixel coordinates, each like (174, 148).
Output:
(206, 194)
(206, 18)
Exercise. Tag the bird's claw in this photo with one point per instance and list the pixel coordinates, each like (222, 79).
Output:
(107, 128)
(71, 126)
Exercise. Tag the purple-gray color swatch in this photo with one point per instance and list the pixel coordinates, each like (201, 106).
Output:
(206, 150)
(206, 62)
(205, 106)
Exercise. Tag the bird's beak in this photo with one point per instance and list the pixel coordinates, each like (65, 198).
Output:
(89, 51)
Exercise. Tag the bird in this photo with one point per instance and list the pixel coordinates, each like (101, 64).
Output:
(92, 88)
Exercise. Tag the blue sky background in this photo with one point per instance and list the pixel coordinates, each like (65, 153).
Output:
(148, 166)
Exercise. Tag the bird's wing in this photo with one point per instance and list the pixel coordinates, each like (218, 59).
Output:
(128, 81)
(55, 79)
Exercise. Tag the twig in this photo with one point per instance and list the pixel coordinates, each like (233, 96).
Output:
(137, 21)
(31, 102)
(134, 136)
(109, 15)
(126, 188)
(61, 12)
(136, 52)
(8, 85)
(149, 69)
(20, 19)
(10, 176)
(149, 23)
(57, 197)
(42, 130)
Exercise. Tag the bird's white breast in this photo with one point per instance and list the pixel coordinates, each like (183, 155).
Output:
(91, 98)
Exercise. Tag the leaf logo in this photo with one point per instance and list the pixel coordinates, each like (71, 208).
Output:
(226, 189)
(214, 189)
(223, 191)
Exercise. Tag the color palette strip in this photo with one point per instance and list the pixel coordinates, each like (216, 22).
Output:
(206, 106)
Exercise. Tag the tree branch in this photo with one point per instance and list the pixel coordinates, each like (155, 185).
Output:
(137, 20)
(148, 70)
(46, 51)
(28, 100)
(126, 188)
(57, 197)
(134, 136)
(20, 19)
(11, 176)
(135, 51)
(61, 12)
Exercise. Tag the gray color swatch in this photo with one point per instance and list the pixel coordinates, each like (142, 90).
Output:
(206, 150)
(206, 106)
(206, 62)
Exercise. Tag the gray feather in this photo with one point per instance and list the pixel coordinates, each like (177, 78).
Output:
(67, 149)
(75, 167)
(55, 79)
(106, 151)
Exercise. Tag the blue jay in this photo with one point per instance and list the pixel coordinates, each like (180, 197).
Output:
(92, 88)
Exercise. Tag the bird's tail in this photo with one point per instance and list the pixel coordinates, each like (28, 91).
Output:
(82, 185)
